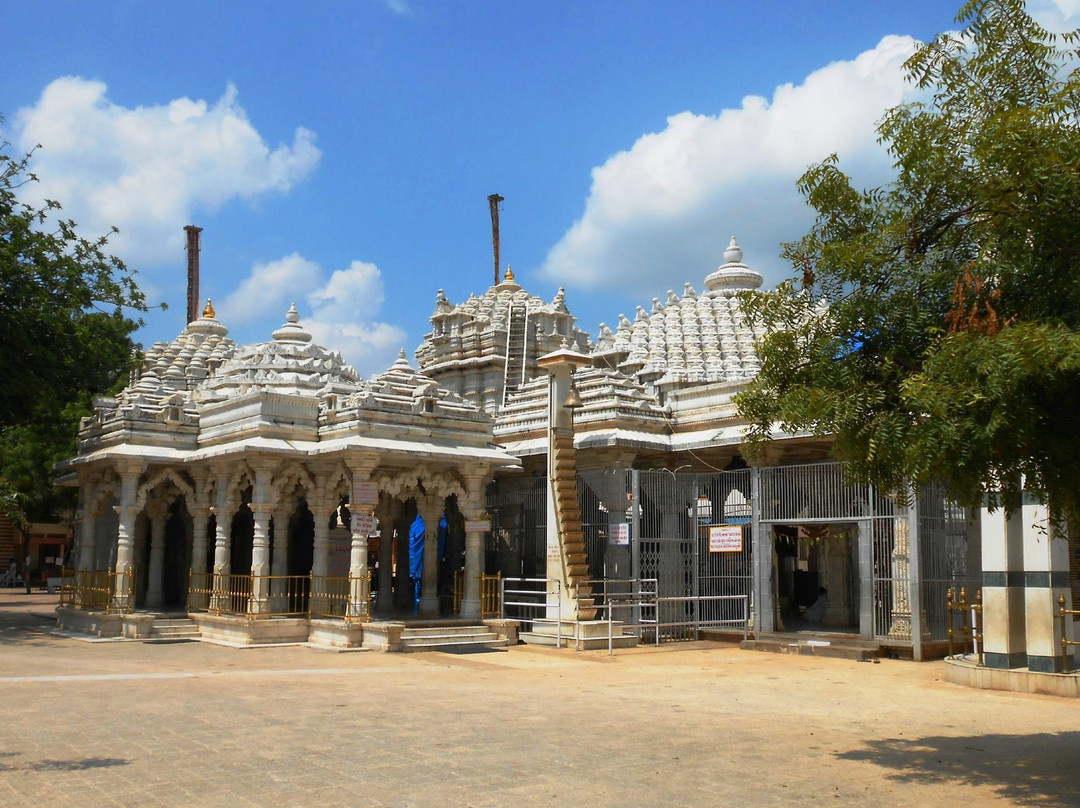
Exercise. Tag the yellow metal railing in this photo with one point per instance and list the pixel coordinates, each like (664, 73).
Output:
(200, 590)
(971, 629)
(97, 590)
(329, 597)
(490, 593)
(247, 595)
(1065, 641)
(69, 587)
(281, 596)
(231, 594)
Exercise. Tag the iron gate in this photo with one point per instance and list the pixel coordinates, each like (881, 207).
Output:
(693, 535)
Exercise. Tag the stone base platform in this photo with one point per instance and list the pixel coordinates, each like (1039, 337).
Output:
(335, 634)
(135, 626)
(580, 635)
(965, 671)
(241, 631)
(841, 646)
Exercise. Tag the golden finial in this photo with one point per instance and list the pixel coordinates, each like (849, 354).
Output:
(509, 273)
(208, 312)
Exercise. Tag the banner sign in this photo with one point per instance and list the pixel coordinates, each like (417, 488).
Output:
(620, 533)
(478, 526)
(366, 493)
(364, 524)
(725, 539)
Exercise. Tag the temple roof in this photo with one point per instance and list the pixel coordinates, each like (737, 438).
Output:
(288, 363)
(693, 337)
(169, 368)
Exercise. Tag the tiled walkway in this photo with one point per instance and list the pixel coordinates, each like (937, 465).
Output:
(128, 723)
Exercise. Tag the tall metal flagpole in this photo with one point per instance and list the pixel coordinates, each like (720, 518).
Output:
(493, 202)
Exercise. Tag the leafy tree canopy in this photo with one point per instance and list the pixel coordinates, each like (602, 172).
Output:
(65, 334)
(933, 325)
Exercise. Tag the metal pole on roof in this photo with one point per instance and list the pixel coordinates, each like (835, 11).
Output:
(493, 203)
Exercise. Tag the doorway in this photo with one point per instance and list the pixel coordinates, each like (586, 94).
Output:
(817, 582)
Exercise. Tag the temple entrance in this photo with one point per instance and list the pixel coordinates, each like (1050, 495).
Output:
(301, 551)
(177, 558)
(817, 582)
(243, 532)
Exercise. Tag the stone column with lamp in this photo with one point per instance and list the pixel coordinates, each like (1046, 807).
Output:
(566, 561)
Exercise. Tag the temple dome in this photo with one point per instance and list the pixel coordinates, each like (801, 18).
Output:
(692, 338)
(169, 368)
(289, 363)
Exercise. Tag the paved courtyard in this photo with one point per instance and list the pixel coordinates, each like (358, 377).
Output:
(129, 723)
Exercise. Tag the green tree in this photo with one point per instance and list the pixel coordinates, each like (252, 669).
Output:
(65, 336)
(933, 325)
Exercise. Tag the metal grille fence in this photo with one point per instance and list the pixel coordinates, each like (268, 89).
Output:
(820, 492)
(526, 600)
(517, 543)
(944, 550)
(694, 538)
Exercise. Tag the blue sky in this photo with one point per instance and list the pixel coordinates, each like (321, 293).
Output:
(340, 155)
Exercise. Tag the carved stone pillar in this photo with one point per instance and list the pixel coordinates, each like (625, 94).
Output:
(159, 516)
(900, 618)
(261, 506)
(359, 573)
(224, 507)
(88, 539)
(473, 508)
(280, 555)
(125, 534)
(387, 511)
(431, 509)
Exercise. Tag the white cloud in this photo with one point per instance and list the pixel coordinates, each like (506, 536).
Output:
(147, 169)
(400, 7)
(340, 312)
(662, 212)
(269, 290)
(1057, 16)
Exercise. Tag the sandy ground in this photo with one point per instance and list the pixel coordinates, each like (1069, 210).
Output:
(142, 723)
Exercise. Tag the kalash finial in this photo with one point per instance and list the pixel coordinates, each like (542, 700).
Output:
(208, 312)
(509, 273)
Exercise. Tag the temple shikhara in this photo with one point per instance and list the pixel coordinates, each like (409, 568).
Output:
(520, 477)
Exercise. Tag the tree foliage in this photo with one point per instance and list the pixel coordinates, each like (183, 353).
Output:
(933, 325)
(65, 332)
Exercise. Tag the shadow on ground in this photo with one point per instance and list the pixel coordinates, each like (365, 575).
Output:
(80, 764)
(24, 628)
(1041, 769)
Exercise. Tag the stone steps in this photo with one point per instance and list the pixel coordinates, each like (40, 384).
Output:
(450, 638)
(174, 628)
(838, 646)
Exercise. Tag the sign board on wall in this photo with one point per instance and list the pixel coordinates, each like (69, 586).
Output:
(366, 493)
(338, 557)
(477, 526)
(364, 523)
(725, 539)
(620, 533)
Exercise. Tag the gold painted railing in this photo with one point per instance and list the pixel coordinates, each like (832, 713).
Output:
(490, 593)
(96, 590)
(970, 630)
(281, 596)
(1065, 641)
